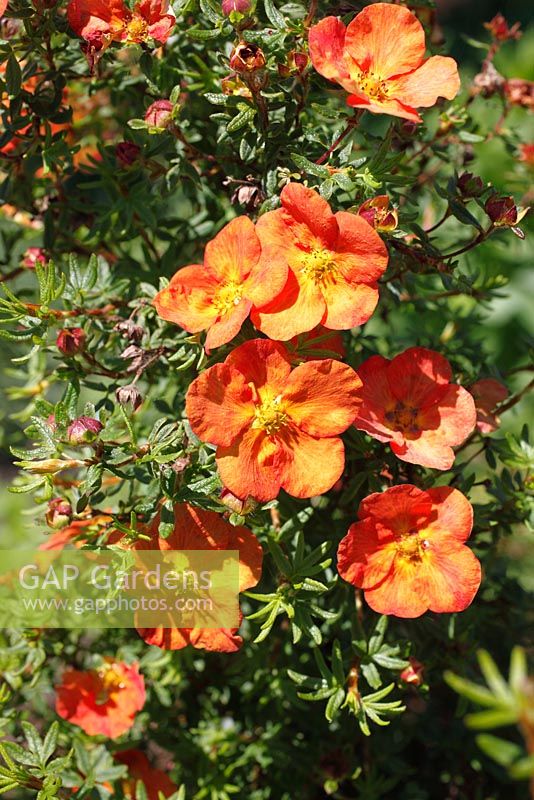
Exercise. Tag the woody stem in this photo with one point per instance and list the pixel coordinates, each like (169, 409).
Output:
(350, 125)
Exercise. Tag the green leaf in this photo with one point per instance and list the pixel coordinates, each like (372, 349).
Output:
(13, 76)
(501, 751)
(273, 15)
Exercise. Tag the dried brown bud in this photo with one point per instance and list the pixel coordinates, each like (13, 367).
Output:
(488, 82)
(129, 330)
(520, 92)
(127, 153)
(129, 395)
(246, 58)
(470, 185)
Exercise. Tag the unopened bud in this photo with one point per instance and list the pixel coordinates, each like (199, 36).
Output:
(83, 430)
(296, 63)
(71, 341)
(127, 153)
(235, 504)
(378, 214)
(59, 513)
(520, 92)
(235, 6)
(129, 395)
(413, 673)
(33, 256)
(470, 185)
(160, 115)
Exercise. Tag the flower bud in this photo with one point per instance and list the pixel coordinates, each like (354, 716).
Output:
(33, 256)
(246, 58)
(160, 115)
(235, 504)
(59, 513)
(296, 63)
(500, 30)
(239, 6)
(129, 395)
(503, 211)
(526, 154)
(71, 341)
(83, 430)
(127, 153)
(378, 214)
(413, 674)
(49, 466)
(470, 185)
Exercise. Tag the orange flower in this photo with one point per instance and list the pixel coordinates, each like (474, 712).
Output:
(380, 60)
(407, 551)
(3, 6)
(102, 701)
(526, 154)
(219, 295)
(488, 393)
(275, 427)
(73, 533)
(140, 769)
(101, 22)
(410, 403)
(335, 261)
(197, 529)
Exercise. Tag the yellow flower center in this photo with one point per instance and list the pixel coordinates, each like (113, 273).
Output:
(373, 86)
(110, 681)
(319, 266)
(228, 296)
(412, 546)
(137, 29)
(403, 418)
(270, 415)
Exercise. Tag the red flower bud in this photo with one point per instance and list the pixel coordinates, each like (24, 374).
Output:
(160, 115)
(71, 341)
(59, 513)
(246, 58)
(378, 213)
(127, 153)
(32, 256)
(526, 154)
(240, 6)
(296, 63)
(470, 185)
(413, 674)
(83, 430)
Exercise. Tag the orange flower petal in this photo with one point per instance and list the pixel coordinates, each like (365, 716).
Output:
(227, 325)
(348, 305)
(312, 466)
(91, 19)
(219, 640)
(187, 300)
(322, 397)
(427, 450)
(386, 39)
(299, 308)
(452, 418)
(403, 593)
(450, 580)
(326, 41)
(262, 363)
(234, 251)
(360, 249)
(165, 638)
(362, 558)
(398, 510)
(308, 213)
(437, 77)
(452, 514)
(413, 375)
(389, 106)
(252, 465)
(219, 405)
